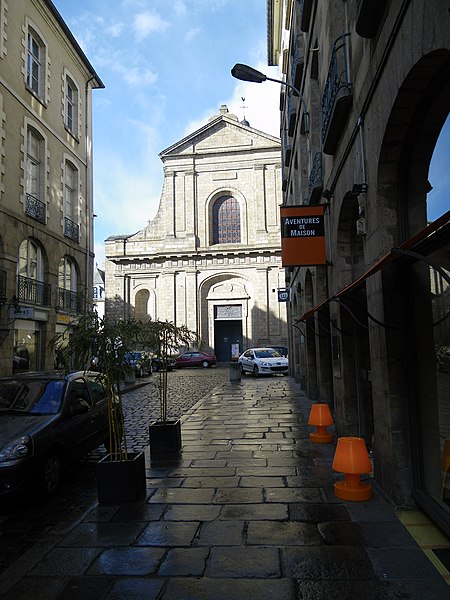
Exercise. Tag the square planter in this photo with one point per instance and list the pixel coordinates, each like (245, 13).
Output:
(165, 438)
(121, 481)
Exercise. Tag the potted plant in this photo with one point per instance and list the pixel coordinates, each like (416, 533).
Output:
(93, 340)
(165, 433)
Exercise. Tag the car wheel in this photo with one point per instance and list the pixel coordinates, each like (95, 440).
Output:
(205, 364)
(242, 369)
(51, 474)
(255, 371)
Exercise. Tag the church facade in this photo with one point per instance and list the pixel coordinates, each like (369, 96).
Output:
(211, 257)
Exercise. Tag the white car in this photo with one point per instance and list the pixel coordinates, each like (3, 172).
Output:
(263, 361)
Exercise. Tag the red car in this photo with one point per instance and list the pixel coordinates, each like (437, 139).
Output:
(196, 359)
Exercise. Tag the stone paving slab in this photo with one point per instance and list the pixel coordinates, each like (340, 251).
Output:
(247, 509)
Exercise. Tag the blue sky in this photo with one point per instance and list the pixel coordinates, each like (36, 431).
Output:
(166, 67)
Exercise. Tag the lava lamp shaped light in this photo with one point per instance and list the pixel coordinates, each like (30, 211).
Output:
(320, 416)
(352, 459)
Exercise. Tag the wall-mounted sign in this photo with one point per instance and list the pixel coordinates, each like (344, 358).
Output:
(21, 312)
(283, 295)
(302, 236)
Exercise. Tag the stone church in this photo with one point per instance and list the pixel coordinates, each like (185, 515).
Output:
(211, 257)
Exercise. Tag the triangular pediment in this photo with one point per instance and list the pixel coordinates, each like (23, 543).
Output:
(222, 134)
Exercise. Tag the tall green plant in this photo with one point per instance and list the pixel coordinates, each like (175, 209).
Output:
(164, 338)
(109, 342)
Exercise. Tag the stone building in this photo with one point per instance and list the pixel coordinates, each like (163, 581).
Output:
(369, 330)
(211, 257)
(46, 85)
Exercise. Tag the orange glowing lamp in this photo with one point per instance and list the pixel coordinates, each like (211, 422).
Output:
(320, 417)
(352, 459)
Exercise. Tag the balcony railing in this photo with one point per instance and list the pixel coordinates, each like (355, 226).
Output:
(305, 12)
(297, 63)
(69, 301)
(36, 209)
(287, 150)
(337, 96)
(32, 291)
(369, 15)
(2, 285)
(72, 230)
(315, 183)
(292, 114)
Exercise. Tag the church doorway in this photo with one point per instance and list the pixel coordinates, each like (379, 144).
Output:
(227, 331)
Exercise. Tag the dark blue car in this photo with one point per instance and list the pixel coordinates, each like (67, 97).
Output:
(46, 421)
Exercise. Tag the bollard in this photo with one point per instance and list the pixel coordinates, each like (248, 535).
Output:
(235, 371)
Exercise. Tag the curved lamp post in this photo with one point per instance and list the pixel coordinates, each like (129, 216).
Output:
(246, 73)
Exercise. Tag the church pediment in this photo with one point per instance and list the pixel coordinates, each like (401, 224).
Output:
(223, 134)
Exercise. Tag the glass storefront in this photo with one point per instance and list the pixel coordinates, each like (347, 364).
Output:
(431, 288)
(26, 350)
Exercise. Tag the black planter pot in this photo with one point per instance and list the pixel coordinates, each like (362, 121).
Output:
(121, 481)
(165, 439)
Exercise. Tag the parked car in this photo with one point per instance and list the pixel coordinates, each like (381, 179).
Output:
(141, 362)
(443, 358)
(196, 359)
(159, 363)
(46, 421)
(283, 350)
(263, 361)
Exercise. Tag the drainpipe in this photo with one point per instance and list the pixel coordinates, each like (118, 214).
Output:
(89, 193)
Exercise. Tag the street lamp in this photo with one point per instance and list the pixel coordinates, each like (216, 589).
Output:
(246, 73)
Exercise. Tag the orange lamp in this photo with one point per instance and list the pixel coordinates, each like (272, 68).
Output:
(320, 416)
(352, 459)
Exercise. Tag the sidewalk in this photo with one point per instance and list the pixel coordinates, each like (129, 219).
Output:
(248, 510)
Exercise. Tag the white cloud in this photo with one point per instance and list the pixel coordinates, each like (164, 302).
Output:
(261, 105)
(115, 30)
(192, 33)
(147, 23)
(136, 76)
(180, 8)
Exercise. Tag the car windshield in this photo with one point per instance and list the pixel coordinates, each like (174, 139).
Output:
(132, 356)
(269, 353)
(35, 397)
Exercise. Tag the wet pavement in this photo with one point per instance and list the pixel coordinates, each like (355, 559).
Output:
(247, 509)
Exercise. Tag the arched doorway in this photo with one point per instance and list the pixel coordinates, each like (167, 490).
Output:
(416, 293)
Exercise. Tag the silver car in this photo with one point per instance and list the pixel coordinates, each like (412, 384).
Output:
(263, 361)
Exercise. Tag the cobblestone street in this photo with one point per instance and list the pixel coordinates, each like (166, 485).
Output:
(185, 388)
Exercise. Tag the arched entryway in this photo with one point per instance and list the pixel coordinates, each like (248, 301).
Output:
(416, 296)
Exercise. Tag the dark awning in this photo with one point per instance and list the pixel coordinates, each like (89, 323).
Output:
(386, 260)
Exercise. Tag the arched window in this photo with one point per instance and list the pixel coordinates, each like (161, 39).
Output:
(68, 298)
(226, 221)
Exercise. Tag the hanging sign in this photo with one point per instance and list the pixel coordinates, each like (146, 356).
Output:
(283, 295)
(302, 236)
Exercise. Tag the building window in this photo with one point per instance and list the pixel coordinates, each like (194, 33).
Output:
(71, 106)
(35, 63)
(226, 221)
(30, 260)
(33, 163)
(71, 226)
(35, 207)
(67, 275)
(68, 298)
